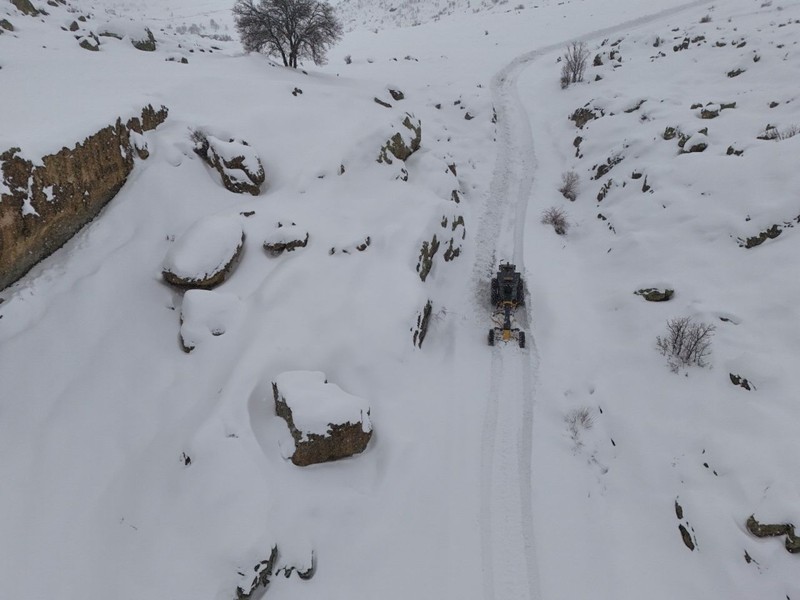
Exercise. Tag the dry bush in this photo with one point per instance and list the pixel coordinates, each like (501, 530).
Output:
(687, 343)
(569, 185)
(557, 218)
(578, 419)
(772, 133)
(574, 66)
(706, 19)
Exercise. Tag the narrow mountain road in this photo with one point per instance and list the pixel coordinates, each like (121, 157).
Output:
(507, 522)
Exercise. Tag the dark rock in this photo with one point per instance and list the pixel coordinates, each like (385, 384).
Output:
(687, 538)
(275, 248)
(423, 319)
(669, 133)
(583, 115)
(769, 234)
(6, 24)
(25, 7)
(148, 44)
(740, 381)
(382, 103)
(90, 42)
(397, 95)
(655, 294)
(735, 72)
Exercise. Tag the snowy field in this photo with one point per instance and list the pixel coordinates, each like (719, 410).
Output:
(579, 467)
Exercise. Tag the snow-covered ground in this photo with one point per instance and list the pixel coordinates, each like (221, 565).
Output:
(560, 471)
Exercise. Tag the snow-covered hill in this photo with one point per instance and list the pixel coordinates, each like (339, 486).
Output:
(579, 467)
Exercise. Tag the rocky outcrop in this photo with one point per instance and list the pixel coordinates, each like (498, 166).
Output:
(238, 165)
(792, 541)
(43, 205)
(757, 240)
(423, 320)
(206, 254)
(403, 143)
(325, 422)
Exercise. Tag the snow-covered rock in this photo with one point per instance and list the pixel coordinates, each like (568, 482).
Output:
(140, 36)
(404, 143)
(206, 314)
(286, 238)
(326, 422)
(236, 162)
(206, 254)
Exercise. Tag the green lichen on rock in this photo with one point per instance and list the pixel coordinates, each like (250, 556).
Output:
(655, 294)
(402, 146)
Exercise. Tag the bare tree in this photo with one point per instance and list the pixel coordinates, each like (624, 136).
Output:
(686, 343)
(291, 29)
(557, 218)
(574, 64)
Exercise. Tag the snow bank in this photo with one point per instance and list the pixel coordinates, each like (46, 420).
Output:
(206, 314)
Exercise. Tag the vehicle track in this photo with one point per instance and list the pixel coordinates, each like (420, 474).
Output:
(506, 514)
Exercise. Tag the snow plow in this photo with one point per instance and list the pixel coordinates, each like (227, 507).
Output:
(508, 292)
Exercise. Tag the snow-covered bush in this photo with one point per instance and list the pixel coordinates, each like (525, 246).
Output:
(557, 218)
(686, 343)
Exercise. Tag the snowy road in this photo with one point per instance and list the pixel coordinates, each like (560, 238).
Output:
(507, 472)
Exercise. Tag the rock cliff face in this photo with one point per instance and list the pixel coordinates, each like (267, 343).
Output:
(43, 205)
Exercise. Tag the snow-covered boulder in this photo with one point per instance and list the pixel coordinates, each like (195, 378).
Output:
(286, 238)
(404, 143)
(326, 422)
(237, 164)
(206, 254)
(206, 314)
(140, 36)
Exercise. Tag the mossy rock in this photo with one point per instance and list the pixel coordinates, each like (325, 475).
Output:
(6, 24)
(655, 294)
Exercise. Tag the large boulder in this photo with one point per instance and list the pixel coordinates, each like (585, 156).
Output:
(206, 254)
(238, 165)
(326, 422)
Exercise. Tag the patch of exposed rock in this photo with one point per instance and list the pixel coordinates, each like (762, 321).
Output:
(655, 294)
(326, 423)
(403, 143)
(238, 165)
(792, 541)
(287, 238)
(206, 254)
(272, 566)
(43, 205)
(25, 7)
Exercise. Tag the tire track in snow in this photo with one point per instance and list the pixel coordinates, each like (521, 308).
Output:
(507, 524)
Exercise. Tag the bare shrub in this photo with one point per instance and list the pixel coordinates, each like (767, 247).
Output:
(687, 343)
(557, 218)
(569, 185)
(348, 60)
(578, 420)
(574, 66)
(706, 19)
